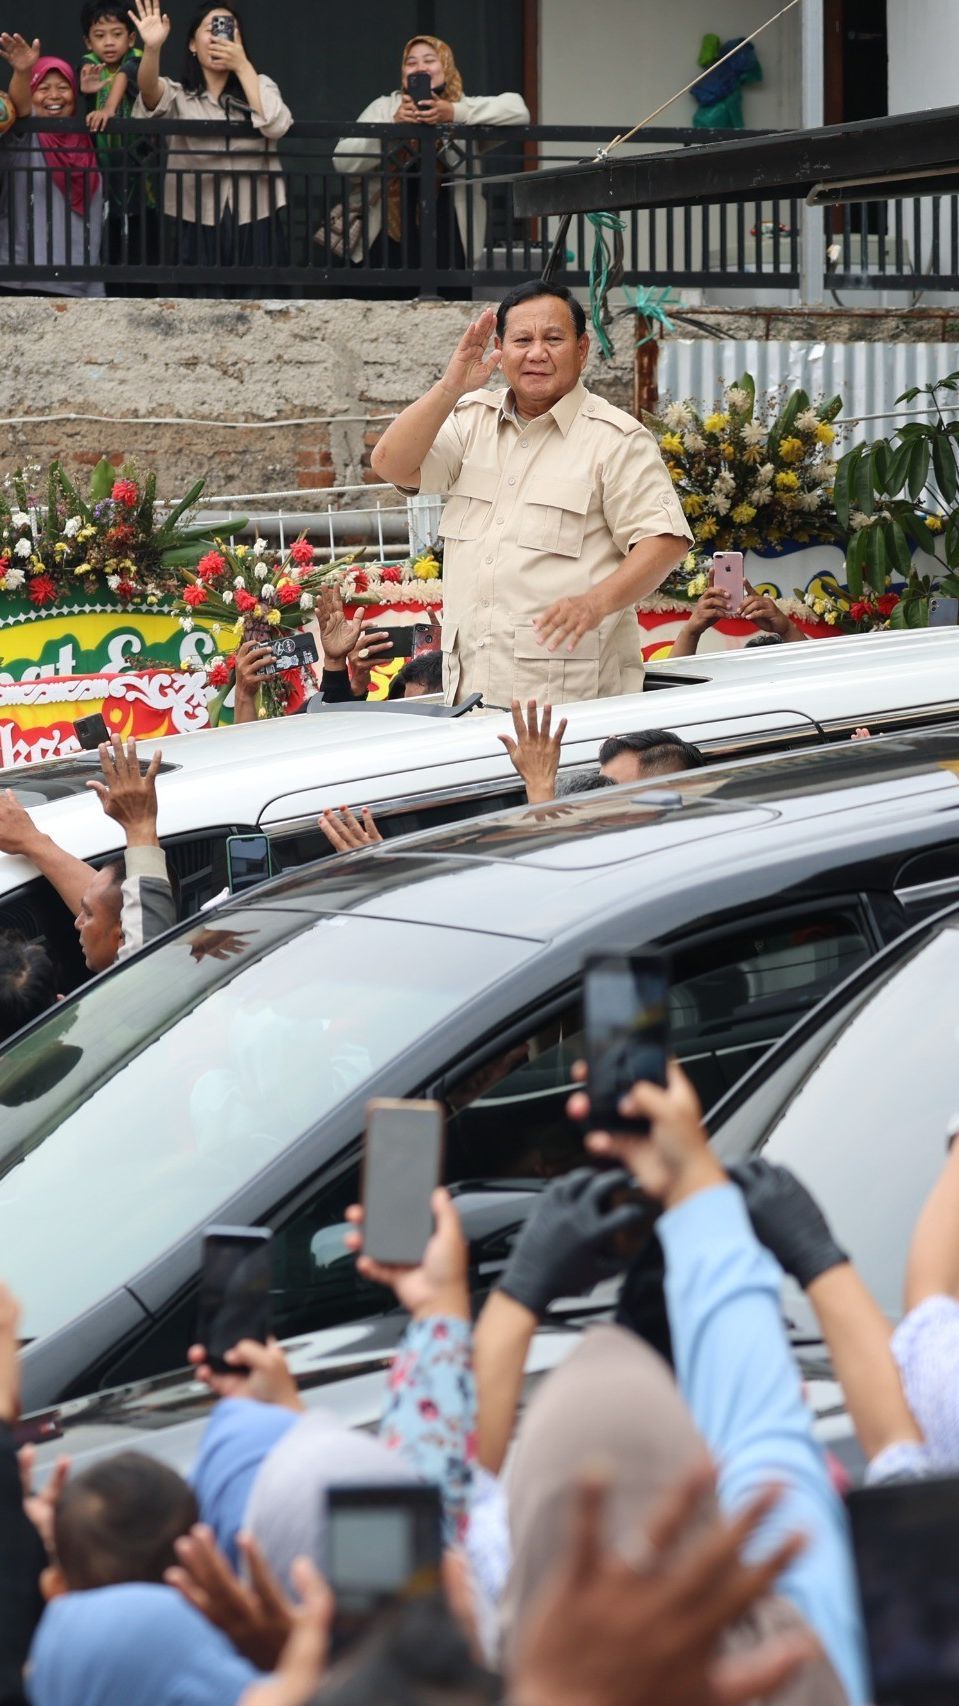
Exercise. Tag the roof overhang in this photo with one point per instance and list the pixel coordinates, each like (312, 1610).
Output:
(877, 159)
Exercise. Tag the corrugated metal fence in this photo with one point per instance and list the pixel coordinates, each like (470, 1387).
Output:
(868, 377)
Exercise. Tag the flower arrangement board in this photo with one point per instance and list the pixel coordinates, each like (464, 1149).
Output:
(37, 717)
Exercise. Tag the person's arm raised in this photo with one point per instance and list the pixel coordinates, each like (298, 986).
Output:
(22, 56)
(20, 836)
(153, 27)
(399, 455)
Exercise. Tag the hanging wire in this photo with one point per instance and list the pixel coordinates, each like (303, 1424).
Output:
(605, 273)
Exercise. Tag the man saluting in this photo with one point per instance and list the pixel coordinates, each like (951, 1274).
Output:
(560, 514)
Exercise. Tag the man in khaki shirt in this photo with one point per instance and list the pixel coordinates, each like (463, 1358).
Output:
(560, 514)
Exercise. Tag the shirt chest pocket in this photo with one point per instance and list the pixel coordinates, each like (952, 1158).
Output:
(554, 515)
(467, 509)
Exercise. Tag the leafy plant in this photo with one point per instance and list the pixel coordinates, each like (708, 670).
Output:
(897, 495)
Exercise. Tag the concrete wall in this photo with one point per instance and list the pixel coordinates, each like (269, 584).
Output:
(182, 371)
(923, 50)
(644, 52)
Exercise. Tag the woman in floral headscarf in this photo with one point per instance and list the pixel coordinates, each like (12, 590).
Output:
(392, 236)
(51, 208)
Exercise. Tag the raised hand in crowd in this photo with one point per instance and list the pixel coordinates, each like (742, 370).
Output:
(373, 649)
(20, 54)
(766, 615)
(347, 833)
(303, 1661)
(646, 1631)
(255, 665)
(470, 367)
(674, 1160)
(20, 836)
(339, 634)
(712, 606)
(127, 793)
(252, 1609)
(439, 1284)
(151, 22)
(256, 1371)
(535, 752)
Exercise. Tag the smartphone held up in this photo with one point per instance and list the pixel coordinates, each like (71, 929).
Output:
(402, 1166)
(626, 1015)
(729, 577)
(235, 1282)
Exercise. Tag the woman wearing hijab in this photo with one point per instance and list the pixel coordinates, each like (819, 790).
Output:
(392, 203)
(51, 202)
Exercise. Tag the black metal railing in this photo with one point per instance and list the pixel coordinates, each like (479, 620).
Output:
(199, 208)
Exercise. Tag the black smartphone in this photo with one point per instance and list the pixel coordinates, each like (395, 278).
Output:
(402, 1163)
(384, 1546)
(907, 1558)
(419, 87)
(411, 639)
(249, 861)
(91, 732)
(292, 651)
(224, 26)
(626, 1016)
(234, 1290)
(943, 611)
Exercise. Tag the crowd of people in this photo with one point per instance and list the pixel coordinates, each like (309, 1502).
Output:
(647, 1528)
(106, 196)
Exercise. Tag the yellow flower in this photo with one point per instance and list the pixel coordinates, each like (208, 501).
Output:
(753, 455)
(258, 612)
(426, 569)
(693, 504)
(86, 532)
(819, 606)
(791, 449)
(689, 561)
(707, 529)
(825, 434)
(238, 628)
(241, 551)
(832, 617)
(743, 513)
(672, 443)
(787, 482)
(60, 549)
(83, 569)
(675, 474)
(728, 450)
(273, 620)
(697, 586)
(933, 523)
(716, 423)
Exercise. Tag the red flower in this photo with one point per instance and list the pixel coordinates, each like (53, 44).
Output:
(288, 594)
(244, 601)
(42, 590)
(210, 567)
(219, 675)
(301, 553)
(125, 590)
(360, 581)
(194, 595)
(859, 611)
(125, 493)
(887, 603)
(124, 534)
(393, 576)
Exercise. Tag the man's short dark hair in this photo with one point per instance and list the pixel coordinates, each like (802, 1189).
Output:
(530, 293)
(104, 13)
(28, 984)
(118, 1521)
(424, 671)
(582, 782)
(659, 749)
(765, 640)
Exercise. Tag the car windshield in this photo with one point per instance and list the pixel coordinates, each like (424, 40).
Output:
(866, 1130)
(133, 1112)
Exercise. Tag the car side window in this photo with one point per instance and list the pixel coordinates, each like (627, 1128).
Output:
(199, 865)
(928, 881)
(734, 994)
(507, 1118)
(301, 843)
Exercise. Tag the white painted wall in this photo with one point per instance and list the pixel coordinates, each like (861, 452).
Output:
(616, 60)
(923, 53)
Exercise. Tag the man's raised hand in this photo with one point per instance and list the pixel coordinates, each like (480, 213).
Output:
(470, 366)
(534, 754)
(126, 794)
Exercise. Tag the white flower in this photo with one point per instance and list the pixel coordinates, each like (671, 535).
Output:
(227, 596)
(826, 473)
(261, 570)
(725, 481)
(760, 495)
(215, 627)
(694, 441)
(808, 500)
(306, 601)
(268, 592)
(19, 518)
(857, 521)
(810, 599)
(239, 582)
(113, 581)
(737, 397)
(677, 415)
(767, 471)
(754, 432)
(72, 527)
(259, 548)
(807, 421)
(23, 548)
(13, 579)
(186, 623)
(717, 502)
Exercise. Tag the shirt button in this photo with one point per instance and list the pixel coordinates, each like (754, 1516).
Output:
(499, 520)
(524, 443)
(489, 559)
(512, 479)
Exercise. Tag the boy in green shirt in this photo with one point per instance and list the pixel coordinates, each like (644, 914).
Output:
(108, 78)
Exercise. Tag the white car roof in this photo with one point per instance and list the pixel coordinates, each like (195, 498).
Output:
(273, 771)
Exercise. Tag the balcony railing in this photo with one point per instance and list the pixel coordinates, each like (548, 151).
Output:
(421, 220)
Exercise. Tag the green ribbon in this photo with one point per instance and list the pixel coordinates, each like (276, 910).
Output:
(652, 307)
(600, 267)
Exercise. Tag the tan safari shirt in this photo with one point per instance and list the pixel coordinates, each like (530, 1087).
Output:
(538, 512)
(240, 172)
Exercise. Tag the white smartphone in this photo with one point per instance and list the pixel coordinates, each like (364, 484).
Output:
(729, 577)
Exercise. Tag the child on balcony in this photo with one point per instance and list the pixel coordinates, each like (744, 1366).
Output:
(51, 200)
(108, 79)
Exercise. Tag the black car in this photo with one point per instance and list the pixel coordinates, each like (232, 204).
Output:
(223, 1074)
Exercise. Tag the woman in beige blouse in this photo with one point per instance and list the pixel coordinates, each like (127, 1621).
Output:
(226, 198)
